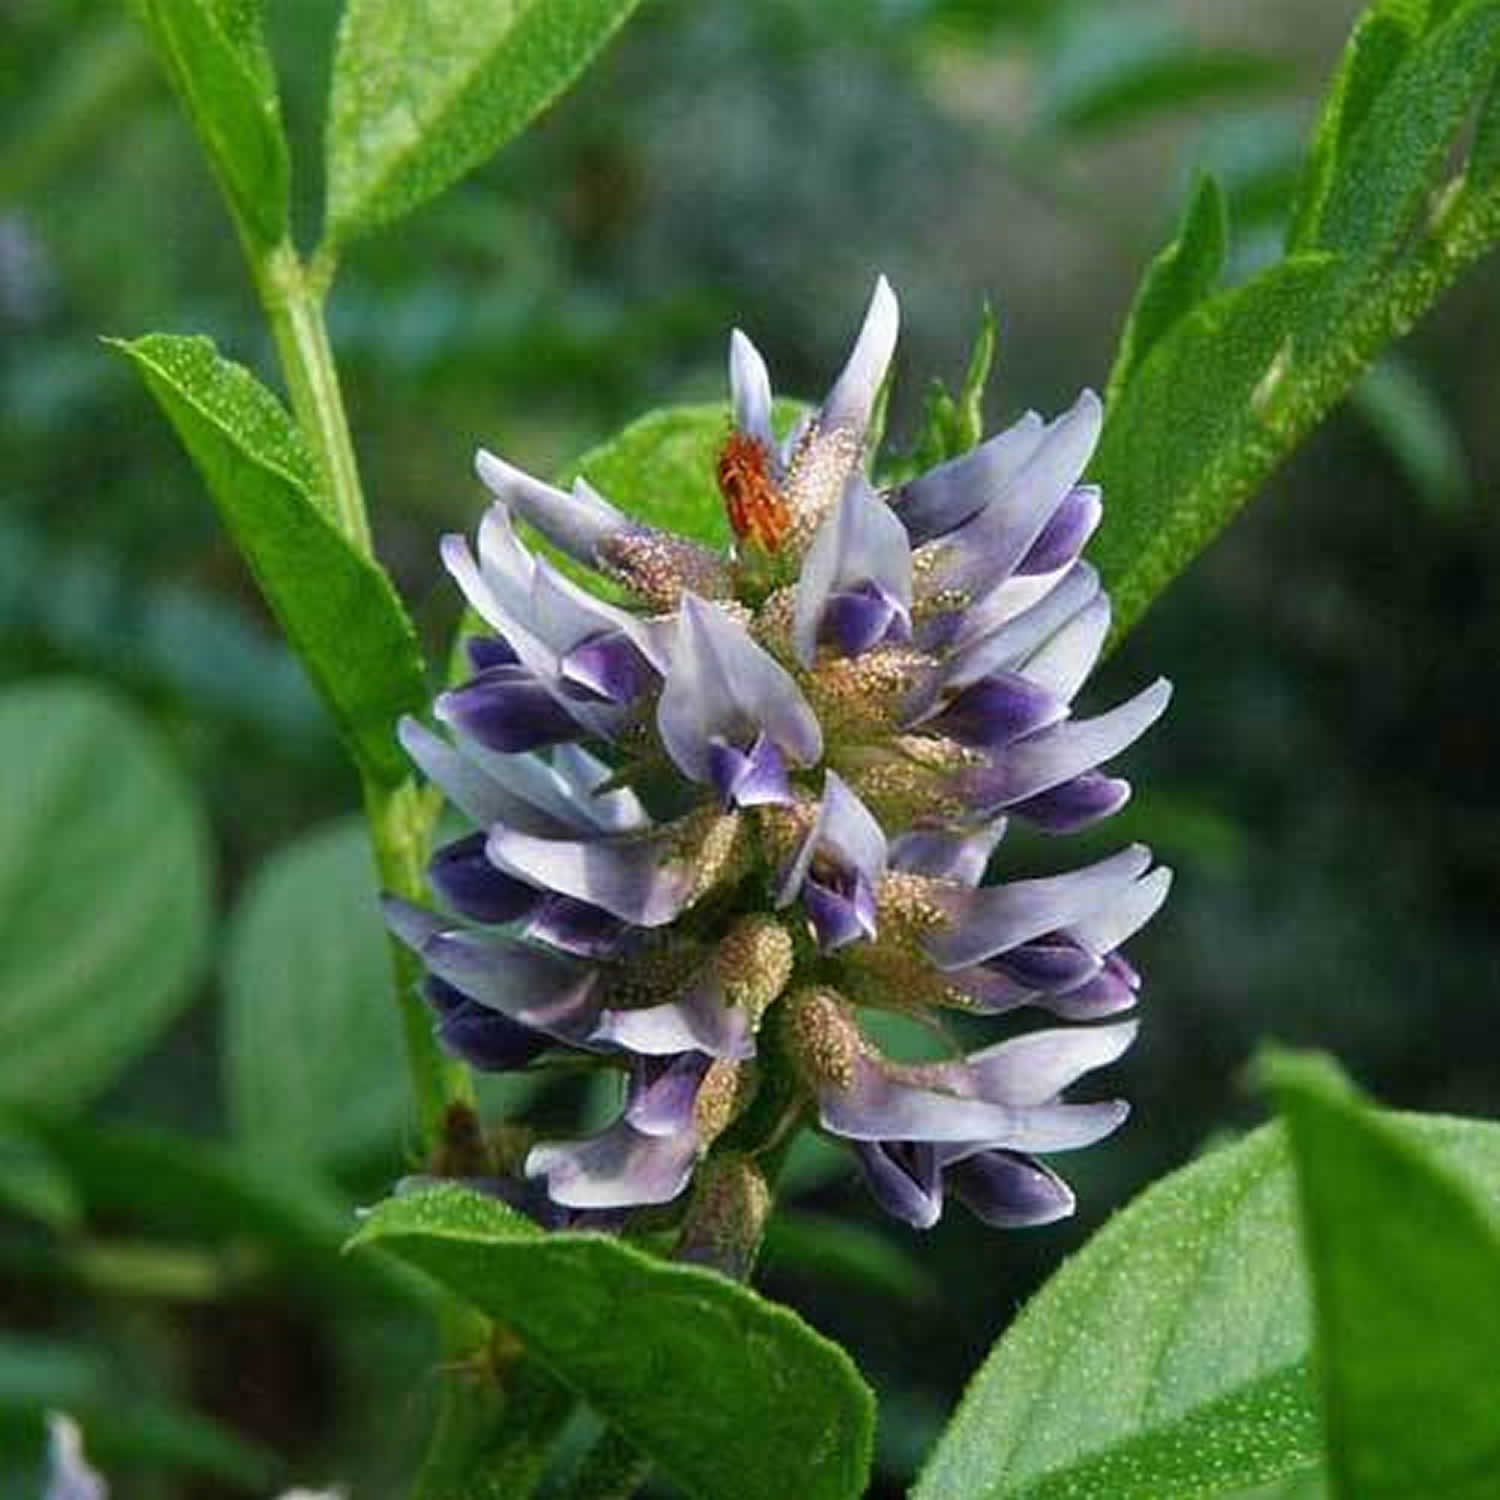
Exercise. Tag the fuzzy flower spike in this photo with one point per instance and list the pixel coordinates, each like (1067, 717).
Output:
(713, 832)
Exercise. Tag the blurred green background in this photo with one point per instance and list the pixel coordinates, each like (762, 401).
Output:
(1324, 783)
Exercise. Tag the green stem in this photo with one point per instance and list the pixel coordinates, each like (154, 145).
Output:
(399, 819)
(293, 301)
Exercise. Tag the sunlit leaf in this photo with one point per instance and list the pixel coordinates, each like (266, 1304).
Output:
(1170, 1356)
(338, 608)
(104, 891)
(1178, 279)
(1403, 1251)
(729, 1394)
(422, 94)
(214, 52)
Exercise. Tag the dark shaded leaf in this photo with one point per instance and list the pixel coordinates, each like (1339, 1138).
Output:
(105, 891)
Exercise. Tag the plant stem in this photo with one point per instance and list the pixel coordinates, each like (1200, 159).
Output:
(399, 819)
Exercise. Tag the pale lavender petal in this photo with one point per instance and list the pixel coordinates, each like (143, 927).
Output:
(990, 637)
(576, 523)
(546, 991)
(565, 616)
(582, 774)
(619, 1168)
(412, 924)
(987, 548)
(558, 798)
(947, 854)
(1113, 989)
(662, 1098)
(1064, 751)
(1063, 537)
(722, 685)
(750, 391)
(1074, 804)
(860, 542)
(852, 398)
(1033, 1069)
(1109, 926)
(640, 878)
(69, 1476)
(904, 1179)
(698, 1021)
(878, 1106)
(841, 911)
(506, 564)
(1064, 663)
(994, 918)
(945, 497)
(470, 787)
(1009, 1191)
(845, 829)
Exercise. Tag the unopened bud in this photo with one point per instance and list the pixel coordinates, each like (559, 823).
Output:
(726, 1218)
(754, 963)
(821, 1037)
(725, 1091)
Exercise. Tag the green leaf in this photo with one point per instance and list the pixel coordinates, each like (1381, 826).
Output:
(1382, 36)
(337, 607)
(215, 54)
(1169, 1357)
(313, 1044)
(422, 94)
(646, 1342)
(661, 468)
(1117, 65)
(950, 425)
(1386, 171)
(1404, 1257)
(1234, 386)
(1190, 437)
(104, 891)
(1175, 282)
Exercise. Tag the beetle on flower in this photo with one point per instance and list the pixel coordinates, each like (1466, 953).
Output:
(716, 830)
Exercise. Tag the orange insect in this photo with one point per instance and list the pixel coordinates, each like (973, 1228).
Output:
(757, 511)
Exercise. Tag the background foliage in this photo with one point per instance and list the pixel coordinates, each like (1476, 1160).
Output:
(1323, 784)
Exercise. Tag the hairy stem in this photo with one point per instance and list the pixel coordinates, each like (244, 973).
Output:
(400, 820)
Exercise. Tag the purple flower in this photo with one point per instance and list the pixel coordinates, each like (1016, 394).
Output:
(770, 793)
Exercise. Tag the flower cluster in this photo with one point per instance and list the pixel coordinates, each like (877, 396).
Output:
(715, 828)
